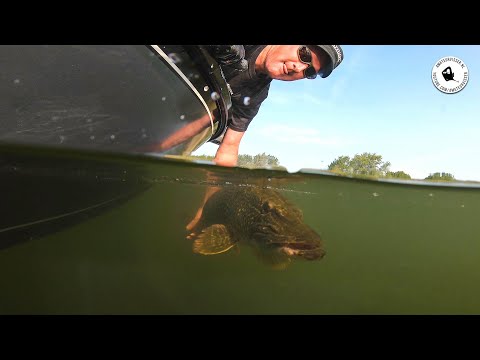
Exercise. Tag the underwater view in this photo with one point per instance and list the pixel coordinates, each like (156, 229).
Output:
(96, 233)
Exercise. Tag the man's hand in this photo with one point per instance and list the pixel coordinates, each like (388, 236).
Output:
(191, 225)
(227, 153)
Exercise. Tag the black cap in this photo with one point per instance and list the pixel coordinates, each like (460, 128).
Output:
(335, 53)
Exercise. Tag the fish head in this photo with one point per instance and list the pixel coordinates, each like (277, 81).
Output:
(281, 229)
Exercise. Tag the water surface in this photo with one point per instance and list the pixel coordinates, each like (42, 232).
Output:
(391, 248)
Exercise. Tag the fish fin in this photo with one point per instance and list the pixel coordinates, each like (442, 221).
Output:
(215, 239)
(273, 258)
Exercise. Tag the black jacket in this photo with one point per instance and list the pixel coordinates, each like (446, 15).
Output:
(249, 91)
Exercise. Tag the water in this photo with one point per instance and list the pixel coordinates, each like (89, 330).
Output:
(391, 248)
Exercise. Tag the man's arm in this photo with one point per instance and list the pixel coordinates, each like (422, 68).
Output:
(183, 134)
(227, 153)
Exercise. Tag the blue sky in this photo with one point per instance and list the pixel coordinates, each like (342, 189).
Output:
(381, 99)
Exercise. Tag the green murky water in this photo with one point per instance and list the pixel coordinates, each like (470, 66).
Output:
(391, 248)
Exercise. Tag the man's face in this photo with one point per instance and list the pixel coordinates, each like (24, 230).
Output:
(283, 62)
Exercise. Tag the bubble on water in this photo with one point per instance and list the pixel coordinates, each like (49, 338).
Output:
(89, 120)
(16, 81)
(430, 194)
(375, 194)
(164, 98)
(112, 137)
(144, 136)
(55, 118)
(246, 101)
(92, 137)
(206, 88)
(62, 139)
(215, 96)
(182, 117)
(462, 206)
(175, 58)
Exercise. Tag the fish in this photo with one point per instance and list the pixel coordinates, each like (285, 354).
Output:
(263, 219)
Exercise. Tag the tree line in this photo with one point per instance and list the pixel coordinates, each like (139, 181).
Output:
(360, 165)
(372, 165)
(262, 160)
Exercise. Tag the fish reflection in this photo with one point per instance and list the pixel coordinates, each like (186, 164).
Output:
(259, 217)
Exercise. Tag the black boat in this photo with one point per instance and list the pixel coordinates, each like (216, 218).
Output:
(104, 99)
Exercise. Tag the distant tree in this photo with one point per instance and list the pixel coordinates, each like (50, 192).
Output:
(244, 160)
(265, 160)
(398, 175)
(341, 165)
(366, 164)
(200, 157)
(443, 176)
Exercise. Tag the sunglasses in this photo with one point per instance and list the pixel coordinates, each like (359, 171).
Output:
(305, 56)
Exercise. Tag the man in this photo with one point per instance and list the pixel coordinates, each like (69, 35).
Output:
(249, 70)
